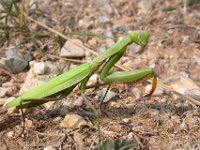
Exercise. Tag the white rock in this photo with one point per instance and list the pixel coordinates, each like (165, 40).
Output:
(7, 84)
(33, 80)
(31, 63)
(72, 50)
(3, 91)
(85, 23)
(10, 134)
(39, 68)
(159, 91)
(73, 121)
(78, 138)
(93, 80)
(185, 38)
(49, 104)
(126, 120)
(57, 119)
(49, 148)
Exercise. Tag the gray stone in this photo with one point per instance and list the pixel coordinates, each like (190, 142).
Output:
(118, 28)
(14, 62)
(134, 48)
(102, 20)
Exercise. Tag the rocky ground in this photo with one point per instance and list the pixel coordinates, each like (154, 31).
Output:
(165, 121)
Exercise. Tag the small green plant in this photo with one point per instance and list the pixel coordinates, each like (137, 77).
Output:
(9, 23)
(119, 144)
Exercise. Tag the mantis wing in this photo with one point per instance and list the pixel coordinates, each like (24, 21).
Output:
(62, 82)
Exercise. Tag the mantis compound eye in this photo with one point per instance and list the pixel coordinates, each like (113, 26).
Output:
(140, 37)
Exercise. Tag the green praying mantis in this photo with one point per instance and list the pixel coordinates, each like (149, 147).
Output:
(62, 85)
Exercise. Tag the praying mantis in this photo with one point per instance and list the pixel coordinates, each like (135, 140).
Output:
(62, 85)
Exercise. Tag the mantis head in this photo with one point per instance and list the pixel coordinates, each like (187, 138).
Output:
(140, 37)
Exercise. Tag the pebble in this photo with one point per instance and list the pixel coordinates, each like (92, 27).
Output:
(57, 119)
(102, 20)
(39, 68)
(185, 39)
(10, 134)
(85, 23)
(73, 121)
(126, 120)
(144, 7)
(32, 81)
(158, 91)
(73, 101)
(49, 148)
(137, 93)
(13, 61)
(7, 84)
(183, 126)
(197, 59)
(109, 96)
(134, 48)
(102, 48)
(109, 42)
(49, 104)
(78, 138)
(3, 91)
(153, 112)
(93, 80)
(105, 6)
(71, 50)
(121, 29)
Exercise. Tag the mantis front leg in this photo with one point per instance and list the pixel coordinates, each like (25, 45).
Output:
(127, 76)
